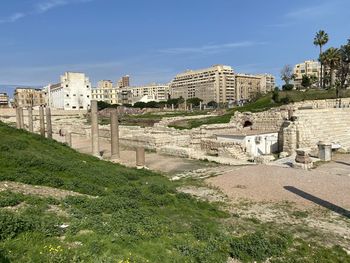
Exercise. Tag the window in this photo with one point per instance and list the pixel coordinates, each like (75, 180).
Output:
(74, 107)
(67, 86)
(67, 95)
(74, 95)
(88, 96)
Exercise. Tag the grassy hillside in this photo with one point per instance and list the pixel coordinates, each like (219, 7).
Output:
(122, 215)
(262, 104)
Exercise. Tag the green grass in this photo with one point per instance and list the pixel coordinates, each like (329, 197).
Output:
(126, 215)
(262, 104)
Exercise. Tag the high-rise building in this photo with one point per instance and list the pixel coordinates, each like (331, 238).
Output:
(249, 86)
(309, 68)
(216, 83)
(4, 100)
(29, 97)
(124, 81)
(73, 92)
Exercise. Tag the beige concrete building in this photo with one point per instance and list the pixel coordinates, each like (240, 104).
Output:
(247, 86)
(105, 92)
(268, 83)
(73, 92)
(29, 97)
(308, 68)
(4, 100)
(124, 81)
(216, 83)
(147, 93)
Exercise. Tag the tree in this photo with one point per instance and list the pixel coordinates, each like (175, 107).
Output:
(343, 70)
(287, 87)
(212, 104)
(287, 74)
(306, 81)
(331, 59)
(320, 40)
(276, 95)
(194, 101)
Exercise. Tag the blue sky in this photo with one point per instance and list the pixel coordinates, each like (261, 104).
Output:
(152, 40)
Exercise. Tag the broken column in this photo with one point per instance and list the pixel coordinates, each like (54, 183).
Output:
(48, 123)
(200, 105)
(325, 151)
(172, 107)
(191, 106)
(94, 129)
(18, 118)
(115, 153)
(21, 118)
(140, 157)
(42, 121)
(303, 159)
(30, 119)
(185, 105)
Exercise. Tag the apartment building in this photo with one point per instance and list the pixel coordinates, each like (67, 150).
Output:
(268, 83)
(124, 82)
(29, 97)
(147, 93)
(216, 83)
(308, 68)
(105, 92)
(73, 92)
(249, 86)
(4, 100)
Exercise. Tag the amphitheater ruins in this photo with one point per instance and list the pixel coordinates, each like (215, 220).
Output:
(302, 128)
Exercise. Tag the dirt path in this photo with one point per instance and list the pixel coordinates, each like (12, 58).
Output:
(43, 191)
(329, 182)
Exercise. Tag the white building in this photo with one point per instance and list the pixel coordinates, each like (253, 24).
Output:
(72, 93)
(256, 144)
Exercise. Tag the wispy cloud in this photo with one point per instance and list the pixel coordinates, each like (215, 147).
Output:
(40, 8)
(12, 18)
(311, 11)
(210, 48)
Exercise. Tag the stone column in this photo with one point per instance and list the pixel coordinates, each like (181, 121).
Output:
(21, 118)
(94, 129)
(200, 105)
(68, 136)
(172, 107)
(140, 157)
(325, 151)
(30, 119)
(42, 121)
(48, 123)
(18, 118)
(185, 105)
(191, 106)
(115, 154)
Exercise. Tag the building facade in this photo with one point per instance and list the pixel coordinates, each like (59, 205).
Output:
(216, 83)
(249, 86)
(29, 97)
(73, 92)
(105, 92)
(124, 82)
(309, 68)
(4, 100)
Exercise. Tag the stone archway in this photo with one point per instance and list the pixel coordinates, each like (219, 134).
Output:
(247, 123)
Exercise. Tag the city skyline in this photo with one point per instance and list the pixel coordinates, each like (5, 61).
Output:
(156, 40)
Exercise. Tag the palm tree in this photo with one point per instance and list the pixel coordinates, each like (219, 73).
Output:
(331, 58)
(320, 40)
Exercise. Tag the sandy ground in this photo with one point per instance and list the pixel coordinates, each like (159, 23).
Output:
(329, 182)
(154, 161)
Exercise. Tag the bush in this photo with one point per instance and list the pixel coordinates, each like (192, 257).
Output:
(259, 247)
